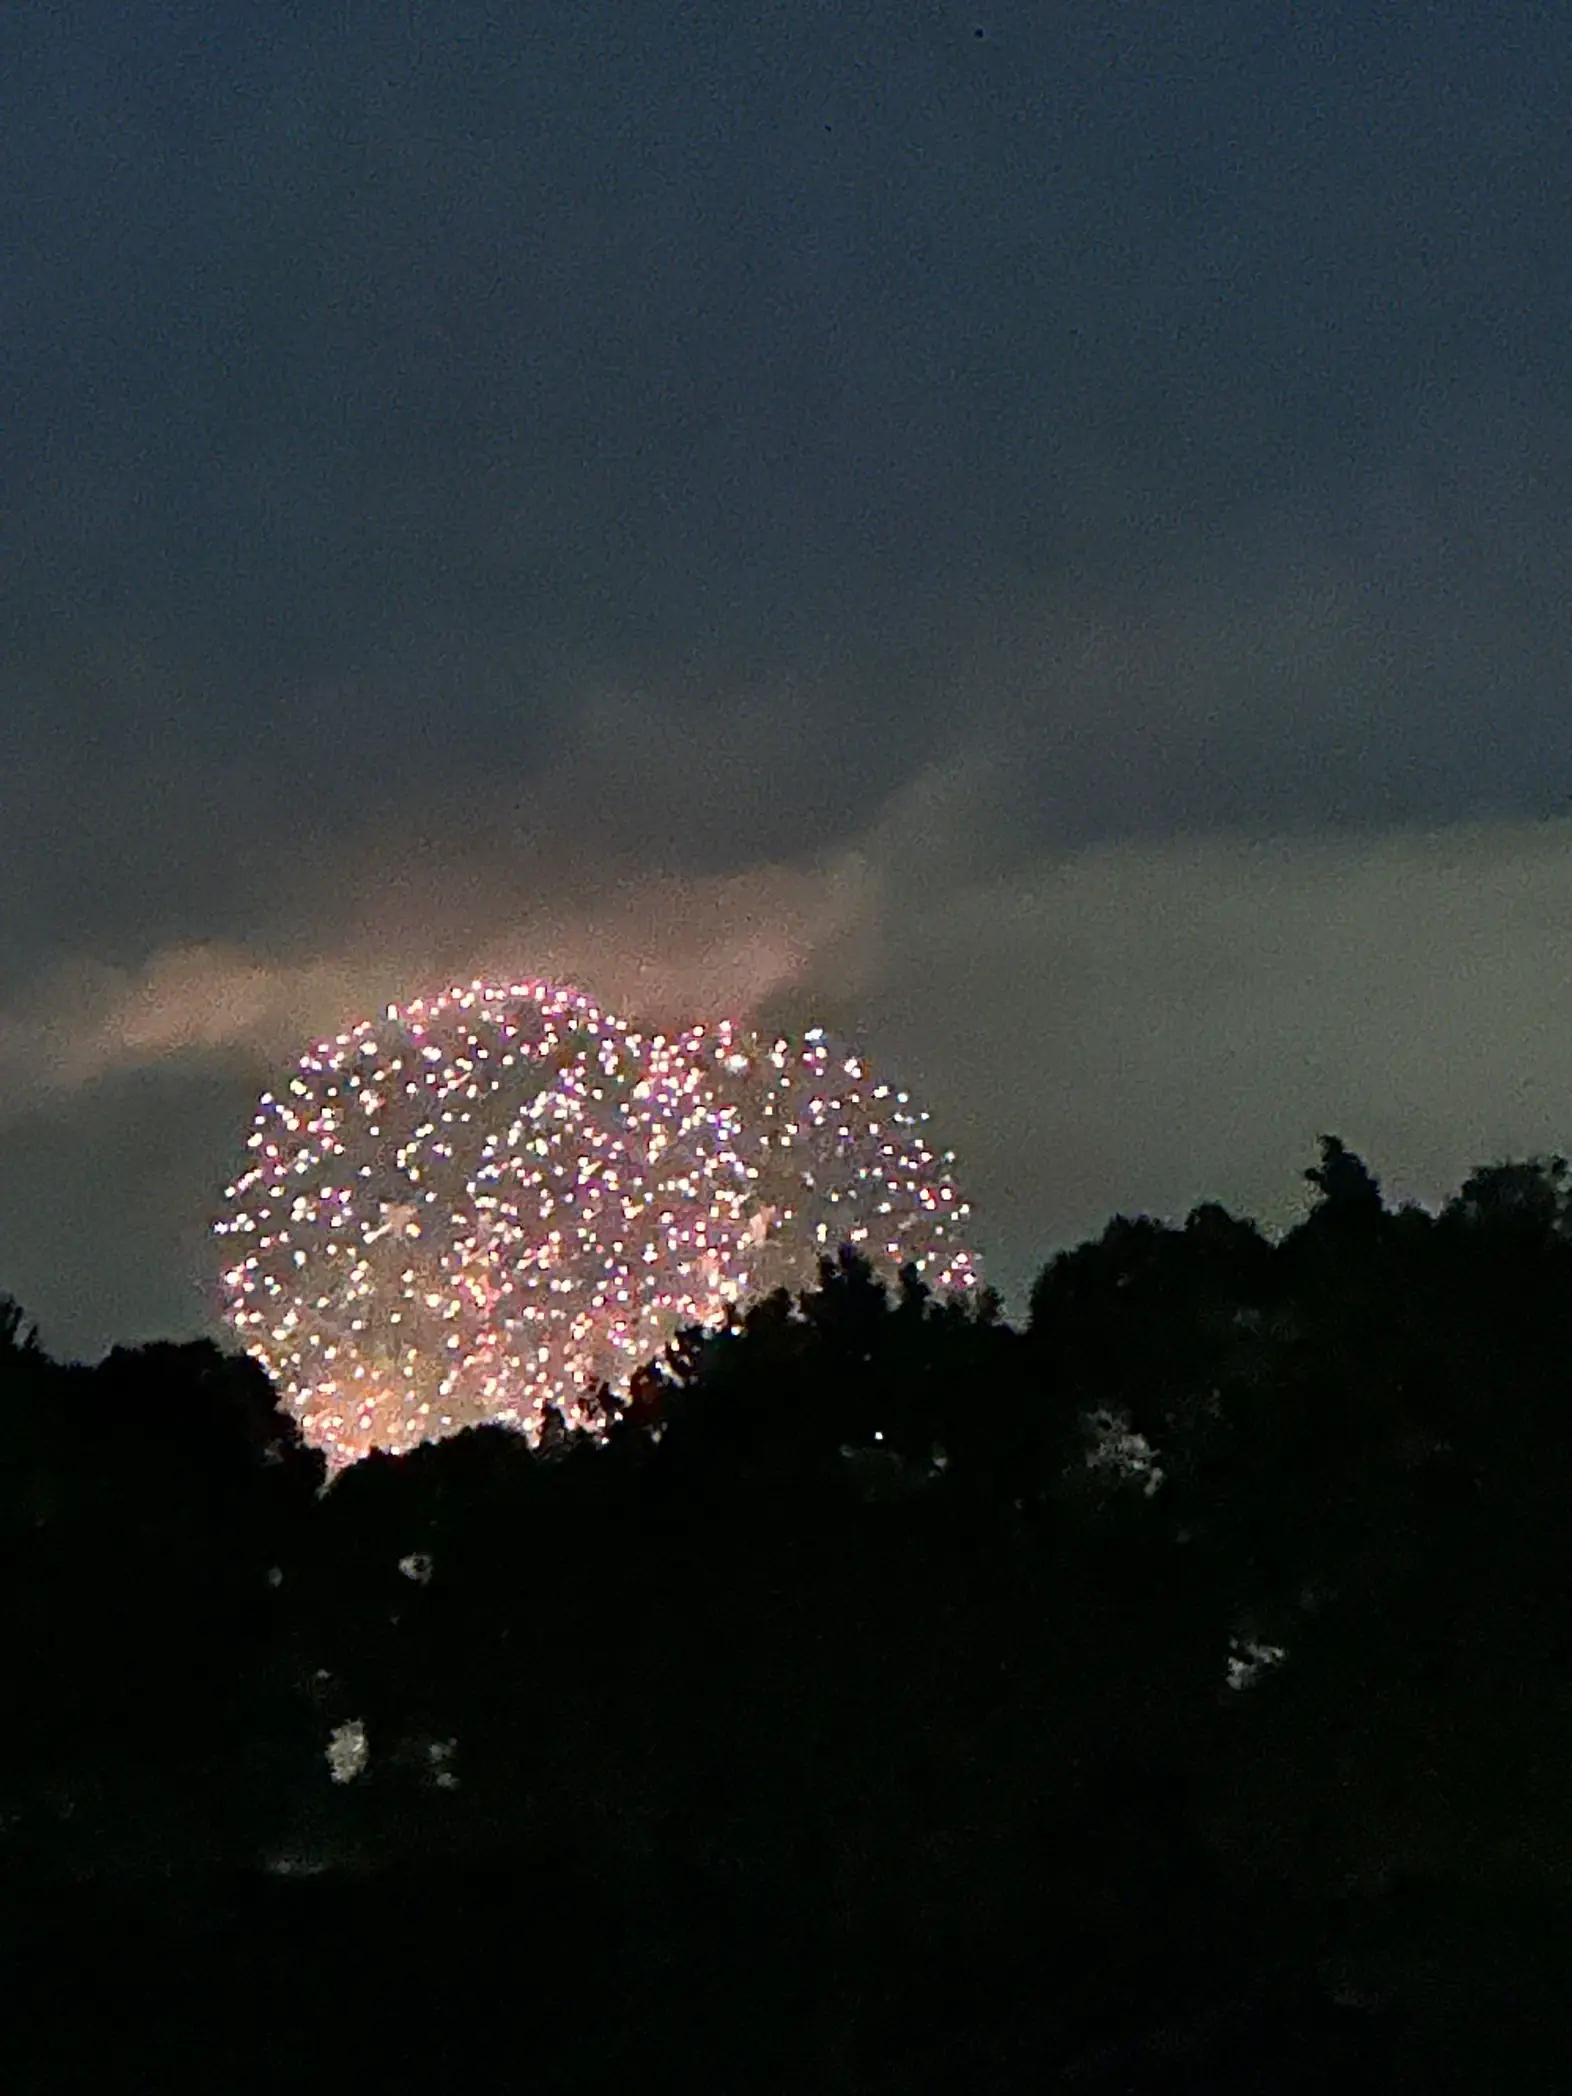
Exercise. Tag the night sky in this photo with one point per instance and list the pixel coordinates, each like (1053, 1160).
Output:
(1036, 535)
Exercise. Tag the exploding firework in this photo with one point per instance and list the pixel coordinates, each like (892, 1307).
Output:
(501, 1199)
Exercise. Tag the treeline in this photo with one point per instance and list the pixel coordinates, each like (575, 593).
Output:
(889, 1699)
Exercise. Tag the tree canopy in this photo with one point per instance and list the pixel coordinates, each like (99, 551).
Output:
(887, 1697)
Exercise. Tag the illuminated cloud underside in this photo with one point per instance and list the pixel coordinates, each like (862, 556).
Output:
(500, 1199)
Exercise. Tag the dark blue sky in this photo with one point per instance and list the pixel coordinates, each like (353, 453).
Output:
(465, 463)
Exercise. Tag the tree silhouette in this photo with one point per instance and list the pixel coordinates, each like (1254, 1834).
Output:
(1345, 1182)
(882, 1697)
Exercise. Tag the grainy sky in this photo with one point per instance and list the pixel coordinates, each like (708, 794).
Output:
(1038, 534)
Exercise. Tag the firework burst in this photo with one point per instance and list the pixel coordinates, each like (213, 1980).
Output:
(500, 1199)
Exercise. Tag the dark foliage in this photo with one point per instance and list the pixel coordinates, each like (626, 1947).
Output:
(1169, 1695)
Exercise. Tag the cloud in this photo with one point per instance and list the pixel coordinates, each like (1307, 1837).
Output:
(660, 950)
(1145, 1026)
